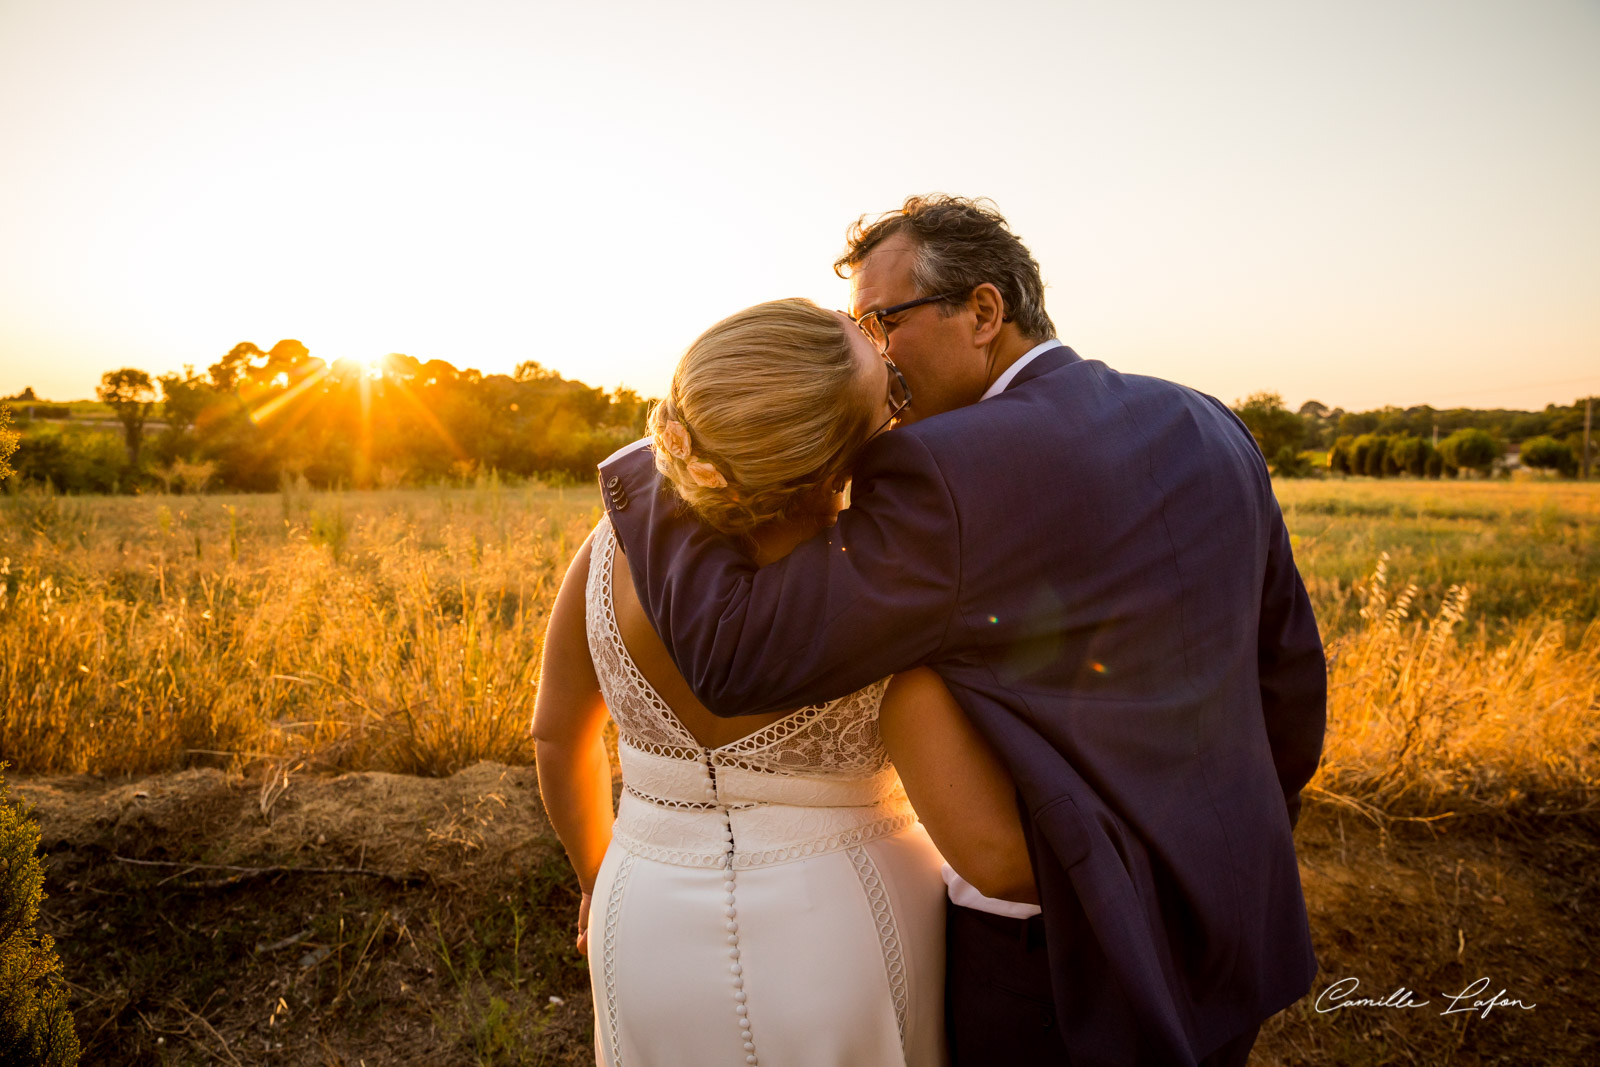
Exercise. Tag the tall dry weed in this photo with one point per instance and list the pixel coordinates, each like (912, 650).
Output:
(402, 630)
(404, 636)
(1428, 715)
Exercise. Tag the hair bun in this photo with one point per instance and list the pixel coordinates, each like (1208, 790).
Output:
(762, 411)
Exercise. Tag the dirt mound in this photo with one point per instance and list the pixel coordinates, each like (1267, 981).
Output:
(444, 828)
(376, 918)
(1495, 904)
(367, 917)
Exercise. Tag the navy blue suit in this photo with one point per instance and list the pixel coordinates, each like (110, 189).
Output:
(1096, 566)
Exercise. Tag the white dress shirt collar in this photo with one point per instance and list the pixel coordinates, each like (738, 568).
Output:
(1012, 371)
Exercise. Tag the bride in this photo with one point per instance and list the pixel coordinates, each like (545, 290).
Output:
(765, 893)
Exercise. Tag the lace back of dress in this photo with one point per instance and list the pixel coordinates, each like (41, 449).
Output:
(838, 739)
(643, 719)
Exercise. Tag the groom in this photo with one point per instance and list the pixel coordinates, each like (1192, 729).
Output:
(1095, 564)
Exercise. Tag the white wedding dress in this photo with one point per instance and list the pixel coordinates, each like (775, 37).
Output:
(773, 901)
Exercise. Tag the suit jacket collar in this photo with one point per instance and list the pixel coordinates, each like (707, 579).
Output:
(1044, 363)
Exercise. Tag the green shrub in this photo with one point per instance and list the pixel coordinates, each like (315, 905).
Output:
(1274, 426)
(1339, 455)
(1546, 453)
(1470, 449)
(35, 1023)
(1367, 454)
(46, 411)
(1289, 463)
(74, 459)
(8, 442)
(1409, 455)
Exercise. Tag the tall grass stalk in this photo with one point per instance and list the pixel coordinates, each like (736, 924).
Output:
(401, 630)
(390, 639)
(1427, 715)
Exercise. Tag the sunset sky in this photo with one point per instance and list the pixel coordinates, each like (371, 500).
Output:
(1360, 202)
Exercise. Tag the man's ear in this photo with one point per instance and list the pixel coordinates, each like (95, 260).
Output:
(989, 310)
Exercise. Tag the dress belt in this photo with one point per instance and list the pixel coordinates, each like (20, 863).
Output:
(732, 779)
(763, 834)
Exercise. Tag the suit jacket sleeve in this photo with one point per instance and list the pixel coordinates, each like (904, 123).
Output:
(870, 596)
(1293, 669)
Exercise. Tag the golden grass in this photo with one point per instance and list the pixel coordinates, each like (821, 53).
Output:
(1526, 547)
(401, 630)
(146, 634)
(1423, 719)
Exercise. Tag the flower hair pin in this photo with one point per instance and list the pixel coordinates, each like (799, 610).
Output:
(675, 439)
(706, 475)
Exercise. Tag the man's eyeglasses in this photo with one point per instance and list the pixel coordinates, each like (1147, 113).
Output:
(877, 330)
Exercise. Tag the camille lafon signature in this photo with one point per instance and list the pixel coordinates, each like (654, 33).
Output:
(1342, 994)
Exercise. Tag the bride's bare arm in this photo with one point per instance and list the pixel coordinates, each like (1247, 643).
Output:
(569, 720)
(958, 786)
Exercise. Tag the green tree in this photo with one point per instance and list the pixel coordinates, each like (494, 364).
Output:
(1313, 409)
(1367, 454)
(1391, 421)
(1360, 447)
(131, 394)
(629, 410)
(73, 459)
(1291, 463)
(1409, 455)
(1470, 449)
(35, 1023)
(183, 398)
(1528, 424)
(1546, 453)
(1377, 463)
(1356, 423)
(227, 372)
(1392, 465)
(1321, 423)
(531, 370)
(1339, 454)
(1273, 426)
(1576, 442)
(1420, 420)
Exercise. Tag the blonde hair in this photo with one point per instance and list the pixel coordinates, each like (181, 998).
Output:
(765, 398)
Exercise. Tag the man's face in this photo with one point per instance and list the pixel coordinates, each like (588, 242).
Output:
(942, 362)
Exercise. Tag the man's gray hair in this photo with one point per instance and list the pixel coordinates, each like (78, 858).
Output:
(961, 244)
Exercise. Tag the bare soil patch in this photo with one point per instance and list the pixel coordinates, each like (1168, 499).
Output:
(444, 933)
(445, 938)
(1435, 909)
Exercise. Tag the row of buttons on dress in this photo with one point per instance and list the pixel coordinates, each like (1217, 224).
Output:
(731, 911)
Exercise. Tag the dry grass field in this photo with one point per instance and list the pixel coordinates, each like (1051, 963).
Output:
(1527, 549)
(278, 749)
(392, 630)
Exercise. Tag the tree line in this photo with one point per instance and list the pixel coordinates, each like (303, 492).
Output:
(257, 417)
(1418, 441)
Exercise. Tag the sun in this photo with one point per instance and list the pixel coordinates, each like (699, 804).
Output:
(372, 366)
